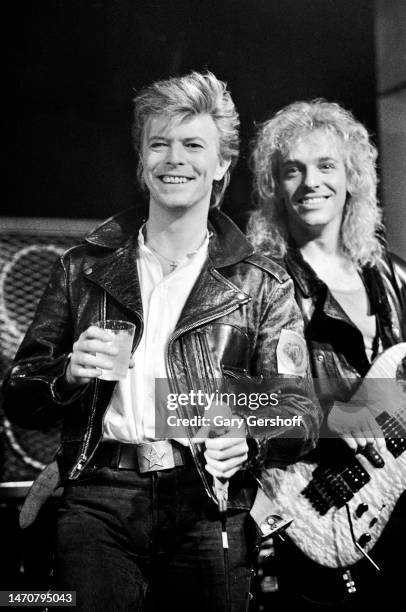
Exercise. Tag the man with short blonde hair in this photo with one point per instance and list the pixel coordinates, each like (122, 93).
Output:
(139, 523)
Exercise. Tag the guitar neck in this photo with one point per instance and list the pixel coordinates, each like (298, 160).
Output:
(394, 430)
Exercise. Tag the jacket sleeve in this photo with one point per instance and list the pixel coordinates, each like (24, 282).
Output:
(280, 337)
(30, 390)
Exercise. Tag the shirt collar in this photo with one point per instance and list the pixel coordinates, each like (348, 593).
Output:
(228, 245)
(202, 249)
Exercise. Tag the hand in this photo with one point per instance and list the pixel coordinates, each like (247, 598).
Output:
(91, 353)
(226, 454)
(356, 426)
(226, 445)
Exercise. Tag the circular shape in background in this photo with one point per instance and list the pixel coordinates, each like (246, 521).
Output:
(22, 282)
(23, 279)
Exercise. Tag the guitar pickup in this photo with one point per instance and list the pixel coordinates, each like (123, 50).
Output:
(335, 485)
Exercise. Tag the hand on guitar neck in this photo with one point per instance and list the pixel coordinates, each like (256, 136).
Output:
(356, 426)
(355, 422)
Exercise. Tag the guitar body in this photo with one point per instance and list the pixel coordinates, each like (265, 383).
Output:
(319, 496)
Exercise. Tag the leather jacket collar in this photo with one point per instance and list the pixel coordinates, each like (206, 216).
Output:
(227, 246)
(303, 275)
(380, 283)
(312, 288)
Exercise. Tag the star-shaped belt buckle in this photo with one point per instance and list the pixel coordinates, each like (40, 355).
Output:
(154, 458)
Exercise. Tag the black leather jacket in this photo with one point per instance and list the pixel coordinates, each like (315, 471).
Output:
(335, 344)
(231, 322)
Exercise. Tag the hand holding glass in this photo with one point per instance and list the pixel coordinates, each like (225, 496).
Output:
(122, 335)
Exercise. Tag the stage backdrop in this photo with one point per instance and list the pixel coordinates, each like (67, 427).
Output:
(28, 250)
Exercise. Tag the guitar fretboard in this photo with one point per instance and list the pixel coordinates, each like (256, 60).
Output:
(394, 432)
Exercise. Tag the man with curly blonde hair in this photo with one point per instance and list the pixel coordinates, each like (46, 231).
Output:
(315, 184)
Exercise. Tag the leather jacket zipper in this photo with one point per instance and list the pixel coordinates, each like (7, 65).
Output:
(76, 470)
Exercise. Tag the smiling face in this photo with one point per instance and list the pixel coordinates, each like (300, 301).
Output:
(313, 184)
(180, 162)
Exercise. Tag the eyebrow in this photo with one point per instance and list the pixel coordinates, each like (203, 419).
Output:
(187, 139)
(327, 158)
(289, 161)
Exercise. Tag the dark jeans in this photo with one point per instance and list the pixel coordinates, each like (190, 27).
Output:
(127, 541)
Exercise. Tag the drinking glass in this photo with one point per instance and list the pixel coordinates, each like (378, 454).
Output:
(122, 335)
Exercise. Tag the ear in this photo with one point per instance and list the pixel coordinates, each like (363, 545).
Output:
(222, 167)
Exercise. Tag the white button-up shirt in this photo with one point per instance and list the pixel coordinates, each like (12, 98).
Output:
(130, 416)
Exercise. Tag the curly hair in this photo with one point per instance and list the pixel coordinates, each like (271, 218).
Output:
(361, 222)
(181, 98)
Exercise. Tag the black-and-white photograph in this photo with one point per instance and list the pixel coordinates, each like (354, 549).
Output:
(203, 306)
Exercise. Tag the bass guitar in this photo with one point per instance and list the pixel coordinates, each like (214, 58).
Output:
(341, 504)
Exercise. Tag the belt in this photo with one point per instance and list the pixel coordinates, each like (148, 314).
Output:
(146, 457)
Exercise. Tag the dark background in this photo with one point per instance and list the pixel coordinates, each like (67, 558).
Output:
(78, 64)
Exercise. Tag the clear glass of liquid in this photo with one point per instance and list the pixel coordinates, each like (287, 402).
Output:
(122, 335)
